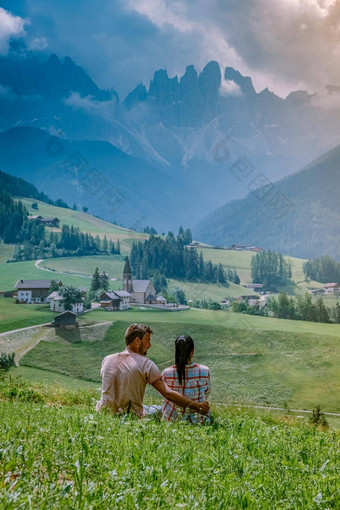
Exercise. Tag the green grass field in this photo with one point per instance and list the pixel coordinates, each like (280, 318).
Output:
(70, 457)
(112, 264)
(215, 291)
(13, 316)
(223, 318)
(46, 377)
(10, 273)
(247, 366)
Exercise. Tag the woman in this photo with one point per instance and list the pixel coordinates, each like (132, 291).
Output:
(188, 378)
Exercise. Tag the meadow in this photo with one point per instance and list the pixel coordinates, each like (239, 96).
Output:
(70, 457)
(86, 223)
(270, 368)
(13, 316)
(240, 261)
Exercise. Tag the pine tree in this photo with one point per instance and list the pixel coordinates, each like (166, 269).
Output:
(321, 311)
(105, 245)
(104, 282)
(96, 282)
(220, 276)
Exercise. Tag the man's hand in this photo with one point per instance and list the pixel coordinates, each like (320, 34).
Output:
(179, 399)
(201, 407)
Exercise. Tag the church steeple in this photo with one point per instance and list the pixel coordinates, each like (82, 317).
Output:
(127, 276)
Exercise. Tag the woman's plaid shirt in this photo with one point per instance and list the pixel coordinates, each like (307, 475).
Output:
(196, 386)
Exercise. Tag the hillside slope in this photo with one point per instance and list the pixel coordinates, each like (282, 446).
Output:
(305, 225)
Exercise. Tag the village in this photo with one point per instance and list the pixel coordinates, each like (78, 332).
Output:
(134, 292)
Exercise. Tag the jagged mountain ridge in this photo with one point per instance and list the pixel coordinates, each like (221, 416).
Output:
(173, 127)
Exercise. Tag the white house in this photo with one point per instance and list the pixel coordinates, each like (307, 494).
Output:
(33, 291)
(331, 288)
(115, 300)
(57, 305)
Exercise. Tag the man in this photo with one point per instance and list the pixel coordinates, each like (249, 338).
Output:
(126, 374)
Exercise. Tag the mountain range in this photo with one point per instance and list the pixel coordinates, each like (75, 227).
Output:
(165, 151)
(298, 215)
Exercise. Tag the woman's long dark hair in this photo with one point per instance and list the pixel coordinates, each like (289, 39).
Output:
(184, 345)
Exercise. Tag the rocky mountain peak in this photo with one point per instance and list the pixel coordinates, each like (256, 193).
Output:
(210, 80)
(244, 82)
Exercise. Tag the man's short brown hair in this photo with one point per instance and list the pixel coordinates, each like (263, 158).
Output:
(136, 330)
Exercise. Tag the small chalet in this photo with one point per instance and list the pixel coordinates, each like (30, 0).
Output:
(255, 287)
(33, 291)
(331, 288)
(48, 222)
(65, 320)
(244, 247)
(57, 303)
(115, 300)
(160, 300)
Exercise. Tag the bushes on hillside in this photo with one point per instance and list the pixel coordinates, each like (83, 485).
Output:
(7, 361)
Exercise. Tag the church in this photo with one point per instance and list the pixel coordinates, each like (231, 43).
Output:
(142, 291)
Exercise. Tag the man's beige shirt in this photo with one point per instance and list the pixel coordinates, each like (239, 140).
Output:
(124, 379)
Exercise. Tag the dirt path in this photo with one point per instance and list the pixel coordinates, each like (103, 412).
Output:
(60, 271)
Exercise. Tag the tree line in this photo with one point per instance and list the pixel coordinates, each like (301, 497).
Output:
(271, 269)
(294, 308)
(171, 258)
(322, 269)
(18, 187)
(71, 242)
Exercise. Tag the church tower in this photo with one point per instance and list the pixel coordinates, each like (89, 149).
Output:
(127, 276)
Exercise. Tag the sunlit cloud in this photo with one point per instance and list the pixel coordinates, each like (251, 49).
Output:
(10, 27)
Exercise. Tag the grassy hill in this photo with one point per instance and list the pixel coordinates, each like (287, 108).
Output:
(86, 223)
(240, 261)
(248, 365)
(70, 457)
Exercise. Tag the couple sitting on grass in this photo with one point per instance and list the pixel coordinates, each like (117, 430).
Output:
(184, 385)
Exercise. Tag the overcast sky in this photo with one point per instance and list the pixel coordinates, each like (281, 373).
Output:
(282, 44)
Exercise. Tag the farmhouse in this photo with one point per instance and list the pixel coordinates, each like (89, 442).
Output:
(48, 222)
(254, 286)
(141, 291)
(57, 303)
(331, 288)
(244, 247)
(33, 291)
(115, 300)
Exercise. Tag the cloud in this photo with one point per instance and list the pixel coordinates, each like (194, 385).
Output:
(11, 27)
(230, 88)
(104, 109)
(284, 45)
(327, 99)
(37, 43)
